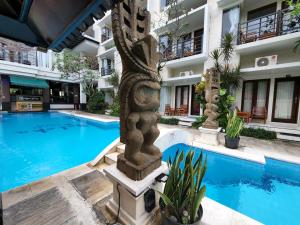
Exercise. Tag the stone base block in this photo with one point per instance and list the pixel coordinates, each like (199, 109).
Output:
(138, 172)
(209, 136)
(130, 194)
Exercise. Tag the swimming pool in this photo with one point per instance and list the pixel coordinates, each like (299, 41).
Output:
(267, 193)
(36, 145)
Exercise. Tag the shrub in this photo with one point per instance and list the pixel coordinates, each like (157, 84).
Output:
(170, 121)
(96, 102)
(115, 107)
(259, 133)
(234, 125)
(200, 120)
(184, 190)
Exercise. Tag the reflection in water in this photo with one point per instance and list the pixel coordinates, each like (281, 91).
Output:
(253, 189)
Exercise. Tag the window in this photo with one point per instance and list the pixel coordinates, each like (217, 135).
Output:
(165, 45)
(230, 22)
(3, 51)
(184, 45)
(255, 94)
(61, 93)
(198, 40)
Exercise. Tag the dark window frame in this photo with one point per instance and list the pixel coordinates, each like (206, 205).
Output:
(295, 107)
(254, 93)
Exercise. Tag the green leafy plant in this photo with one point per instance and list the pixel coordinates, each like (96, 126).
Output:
(114, 80)
(234, 126)
(199, 121)
(75, 67)
(225, 103)
(115, 106)
(170, 121)
(96, 102)
(184, 191)
(295, 12)
(259, 133)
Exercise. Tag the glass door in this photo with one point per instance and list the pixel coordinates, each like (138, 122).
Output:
(195, 109)
(182, 96)
(286, 100)
(255, 94)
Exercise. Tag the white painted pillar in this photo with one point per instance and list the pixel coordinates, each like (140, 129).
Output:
(271, 99)
(82, 95)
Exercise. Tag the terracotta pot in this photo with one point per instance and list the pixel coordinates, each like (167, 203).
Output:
(232, 143)
(167, 221)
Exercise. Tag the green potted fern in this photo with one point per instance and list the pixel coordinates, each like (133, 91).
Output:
(233, 130)
(180, 202)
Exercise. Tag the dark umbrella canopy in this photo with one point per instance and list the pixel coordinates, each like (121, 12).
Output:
(54, 24)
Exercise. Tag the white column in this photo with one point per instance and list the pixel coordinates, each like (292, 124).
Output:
(82, 95)
(190, 100)
(271, 99)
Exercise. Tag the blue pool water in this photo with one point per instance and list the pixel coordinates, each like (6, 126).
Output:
(36, 145)
(267, 193)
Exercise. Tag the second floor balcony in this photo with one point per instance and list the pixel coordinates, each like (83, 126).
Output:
(21, 57)
(106, 71)
(182, 48)
(275, 24)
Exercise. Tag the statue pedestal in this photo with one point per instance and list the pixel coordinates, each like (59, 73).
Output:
(209, 136)
(131, 194)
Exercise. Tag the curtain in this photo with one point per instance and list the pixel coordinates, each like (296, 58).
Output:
(165, 97)
(178, 97)
(248, 97)
(185, 95)
(230, 22)
(284, 100)
(261, 94)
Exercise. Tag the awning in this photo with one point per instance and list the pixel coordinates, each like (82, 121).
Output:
(49, 23)
(28, 82)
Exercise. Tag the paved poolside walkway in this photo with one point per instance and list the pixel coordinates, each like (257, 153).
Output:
(76, 196)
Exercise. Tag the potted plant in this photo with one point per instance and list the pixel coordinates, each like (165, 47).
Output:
(181, 201)
(233, 130)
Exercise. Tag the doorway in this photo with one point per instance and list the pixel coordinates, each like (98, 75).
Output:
(255, 94)
(286, 100)
(182, 96)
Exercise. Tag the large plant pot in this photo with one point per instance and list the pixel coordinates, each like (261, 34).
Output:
(232, 143)
(167, 221)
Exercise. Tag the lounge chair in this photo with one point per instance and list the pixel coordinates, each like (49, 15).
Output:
(246, 116)
(260, 113)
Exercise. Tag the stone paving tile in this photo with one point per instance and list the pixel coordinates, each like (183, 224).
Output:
(76, 172)
(103, 214)
(41, 185)
(93, 186)
(16, 195)
(46, 208)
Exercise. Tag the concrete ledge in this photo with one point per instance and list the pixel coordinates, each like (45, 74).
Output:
(218, 214)
(73, 113)
(239, 153)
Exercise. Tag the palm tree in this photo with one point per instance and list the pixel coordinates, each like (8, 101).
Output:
(229, 76)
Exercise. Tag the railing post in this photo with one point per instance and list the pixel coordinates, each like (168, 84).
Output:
(279, 22)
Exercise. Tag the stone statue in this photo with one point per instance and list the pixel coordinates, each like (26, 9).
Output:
(139, 90)
(212, 97)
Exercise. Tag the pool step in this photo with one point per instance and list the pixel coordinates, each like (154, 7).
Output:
(121, 148)
(111, 158)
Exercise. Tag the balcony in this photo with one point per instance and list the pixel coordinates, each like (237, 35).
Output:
(269, 26)
(21, 57)
(105, 37)
(107, 71)
(182, 49)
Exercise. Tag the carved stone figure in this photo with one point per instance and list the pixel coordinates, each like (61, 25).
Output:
(212, 97)
(139, 89)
